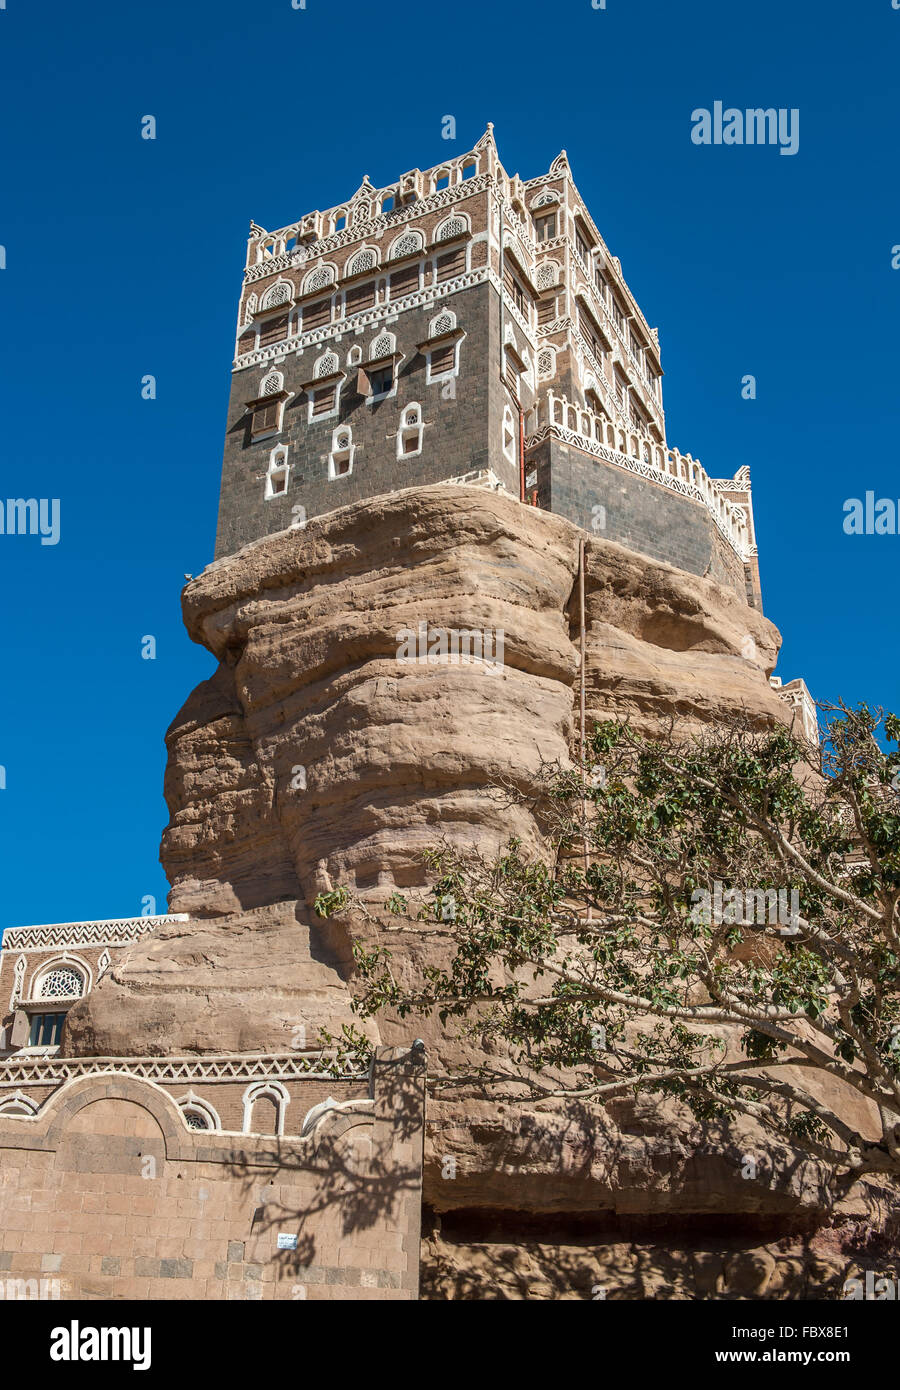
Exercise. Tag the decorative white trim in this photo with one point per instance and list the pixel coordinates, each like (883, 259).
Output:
(269, 1066)
(509, 434)
(342, 446)
(429, 294)
(117, 931)
(384, 345)
(273, 1090)
(278, 468)
(544, 199)
(402, 245)
(411, 423)
(66, 961)
(18, 980)
(314, 1117)
(19, 1098)
(323, 384)
(267, 265)
(741, 547)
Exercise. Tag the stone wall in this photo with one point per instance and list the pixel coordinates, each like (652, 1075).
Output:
(644, 516)
(109, 1194)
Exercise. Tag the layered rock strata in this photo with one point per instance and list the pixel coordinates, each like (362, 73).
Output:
(321, 752)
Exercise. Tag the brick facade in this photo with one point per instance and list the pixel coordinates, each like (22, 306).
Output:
(108, 1194)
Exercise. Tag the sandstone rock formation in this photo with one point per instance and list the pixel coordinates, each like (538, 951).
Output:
(314, 757)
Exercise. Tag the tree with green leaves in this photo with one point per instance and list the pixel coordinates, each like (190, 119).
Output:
(714, 920)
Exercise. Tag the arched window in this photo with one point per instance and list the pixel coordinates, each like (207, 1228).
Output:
(278, 473)
(411, 432)
(454, 226)
(363, 260)
(406, 245)
(272, 384)
(546, 362)
(265, 1105)
(343, 450)
(326, 365)
(198, 1114)
(383, 346)
(18, 1104)
(318, 279)
(282, 292)
(60, 982)
(442, 323)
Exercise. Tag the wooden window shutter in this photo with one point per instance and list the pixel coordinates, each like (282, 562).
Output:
(361, 297)
(273, 330)
(443, 359)
(546, 311)
(323, 400)
(265, 417)
(247, 343)
(317, 315)
(450, 264)
(404, 281)
(512, 376)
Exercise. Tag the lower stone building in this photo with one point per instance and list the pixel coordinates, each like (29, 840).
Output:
(238, 1176)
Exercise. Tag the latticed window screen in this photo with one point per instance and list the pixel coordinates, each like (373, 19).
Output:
(455, 227)
(364, 261)
(61, 983)
(317, 280)
(195, 1119)
(278, 294)
(407, 246)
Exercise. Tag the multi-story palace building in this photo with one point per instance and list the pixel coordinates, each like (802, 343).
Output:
(463, 325)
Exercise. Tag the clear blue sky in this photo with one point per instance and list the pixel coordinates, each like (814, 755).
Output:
(124, 257)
